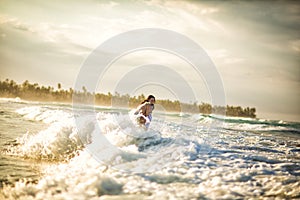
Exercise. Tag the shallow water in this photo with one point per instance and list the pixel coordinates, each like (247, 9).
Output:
(47, 154)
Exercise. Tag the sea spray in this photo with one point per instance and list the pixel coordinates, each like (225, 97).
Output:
(245, 158)
(58, 142)
(80, 178)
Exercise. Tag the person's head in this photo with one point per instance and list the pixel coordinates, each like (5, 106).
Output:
(151, 99)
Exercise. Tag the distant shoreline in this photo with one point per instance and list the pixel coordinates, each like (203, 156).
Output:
(35, 92)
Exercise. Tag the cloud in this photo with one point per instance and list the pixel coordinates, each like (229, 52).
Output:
(15, 23)
(219, 53)
(57, 37)
(225, 56)
(255, 44)
(233, 60)
(295, 45)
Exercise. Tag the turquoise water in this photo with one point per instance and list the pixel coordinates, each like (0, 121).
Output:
(45, 154)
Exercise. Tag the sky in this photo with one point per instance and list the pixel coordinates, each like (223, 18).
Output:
(254, 45)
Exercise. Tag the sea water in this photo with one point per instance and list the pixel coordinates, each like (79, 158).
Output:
(47, 154)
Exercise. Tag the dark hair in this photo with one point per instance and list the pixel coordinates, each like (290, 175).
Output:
(148, 98)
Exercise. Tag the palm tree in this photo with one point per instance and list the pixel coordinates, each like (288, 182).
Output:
(59, 86)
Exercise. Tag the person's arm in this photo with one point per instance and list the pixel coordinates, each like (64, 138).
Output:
(140, 108)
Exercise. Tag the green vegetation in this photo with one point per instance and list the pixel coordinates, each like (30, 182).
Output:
(28, 91)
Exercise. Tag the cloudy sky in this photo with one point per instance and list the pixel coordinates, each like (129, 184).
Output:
(255, 45)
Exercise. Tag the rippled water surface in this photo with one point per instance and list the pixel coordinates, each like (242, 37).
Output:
(46, 154)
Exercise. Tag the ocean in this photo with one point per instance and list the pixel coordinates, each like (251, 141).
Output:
(46, 153)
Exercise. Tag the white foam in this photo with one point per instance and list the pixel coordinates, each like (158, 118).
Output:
(175, 162)
(81, 178)
(16, 100)
(46, 115)
(58, 142)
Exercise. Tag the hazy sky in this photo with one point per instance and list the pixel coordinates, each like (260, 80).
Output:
(255, 45)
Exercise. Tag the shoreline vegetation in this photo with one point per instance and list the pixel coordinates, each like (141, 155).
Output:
(35, 92)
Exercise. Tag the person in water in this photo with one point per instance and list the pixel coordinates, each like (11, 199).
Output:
(145, 111)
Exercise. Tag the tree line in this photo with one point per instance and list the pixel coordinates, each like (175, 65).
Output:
(33, 91)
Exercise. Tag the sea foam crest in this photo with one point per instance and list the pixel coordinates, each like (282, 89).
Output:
(58, 142)
(65, 136)
(46, 115)
(115, 137)
(80, 178)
